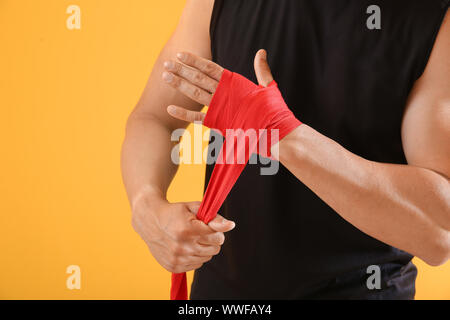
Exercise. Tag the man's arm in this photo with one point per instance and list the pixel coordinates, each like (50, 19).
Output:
(406, 206)
(147, 166)
(176, 239)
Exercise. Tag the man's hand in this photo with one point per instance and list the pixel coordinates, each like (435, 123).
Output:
(198, 78)
(177, 240)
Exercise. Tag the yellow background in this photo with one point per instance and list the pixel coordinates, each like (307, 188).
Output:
(65, 96)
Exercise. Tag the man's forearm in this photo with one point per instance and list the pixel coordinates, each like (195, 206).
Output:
(146, 165)
(404, 206)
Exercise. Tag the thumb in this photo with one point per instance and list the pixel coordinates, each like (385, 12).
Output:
(193, 206)
(262, 69)
(220, 224)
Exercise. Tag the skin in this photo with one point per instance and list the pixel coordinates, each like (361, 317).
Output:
(406, 206)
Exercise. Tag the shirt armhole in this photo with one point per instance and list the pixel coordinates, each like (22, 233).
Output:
(217, 7)
(432, 40)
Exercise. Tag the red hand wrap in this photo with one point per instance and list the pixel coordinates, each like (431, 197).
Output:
(237, 103)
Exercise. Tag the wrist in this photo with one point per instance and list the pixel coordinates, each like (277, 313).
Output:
(147, 197)
(291, 147)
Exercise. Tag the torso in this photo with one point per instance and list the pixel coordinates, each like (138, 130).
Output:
(351, 84)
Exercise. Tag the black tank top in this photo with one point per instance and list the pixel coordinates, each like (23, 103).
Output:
(350, 81)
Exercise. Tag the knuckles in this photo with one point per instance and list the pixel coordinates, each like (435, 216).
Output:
(176, 82)
(171, 267)
(198, 77)
(196, 93)
(180, 233)
(221, 238)
(178, 250)
(177, 68)
(210, 69)
(173, 261)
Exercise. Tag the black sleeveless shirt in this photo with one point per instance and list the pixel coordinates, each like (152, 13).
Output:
(349, 81)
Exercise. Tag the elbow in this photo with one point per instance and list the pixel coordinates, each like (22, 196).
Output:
(135, 117)
(439, 251)
(437, 260)
(131, 120)
(138, 119)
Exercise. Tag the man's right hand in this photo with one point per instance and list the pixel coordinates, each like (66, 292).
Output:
(176, 238)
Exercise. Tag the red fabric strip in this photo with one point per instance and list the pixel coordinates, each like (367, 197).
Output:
(237, 103)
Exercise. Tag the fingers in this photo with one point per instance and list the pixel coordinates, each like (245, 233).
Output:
(221, 224)
(189, 242)
(213, 239)
(208, 236)
(190, 90)
(262, 69)
(185, 115)
(191, 262)
(184, 257)
(206, 251)
(194, 76)
(209, 68)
